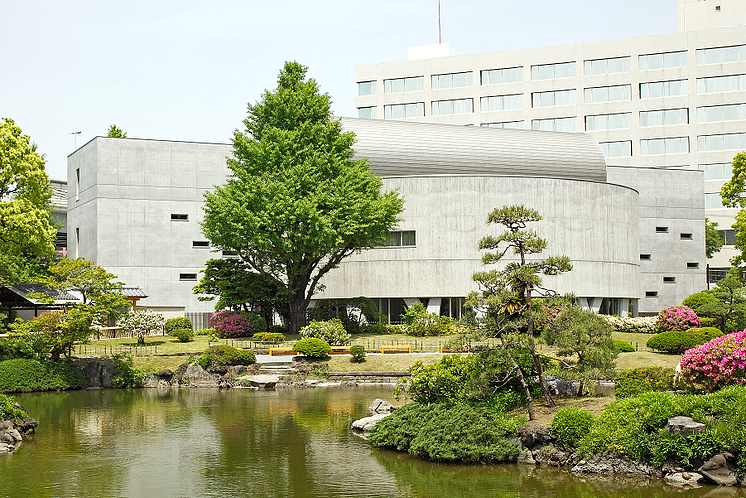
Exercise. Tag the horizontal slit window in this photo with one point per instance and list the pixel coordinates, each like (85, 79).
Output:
(179, 217)
(651, 293)
(661, 229)
(200, 243)
(187, 276)
(645, 257)
(400, 238)
(692, 266)
(686, 236)
(669, 280)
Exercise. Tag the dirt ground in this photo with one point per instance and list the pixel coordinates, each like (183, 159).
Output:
(544, 413)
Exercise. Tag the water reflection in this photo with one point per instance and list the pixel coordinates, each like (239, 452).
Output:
(195, 442)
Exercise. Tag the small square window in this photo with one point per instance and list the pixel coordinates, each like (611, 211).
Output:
(200, 243)
(717, 8)
(686, 236)
(230, 253)
(179, 217)
(669, 280)
(187, 276)
(651, 293)
(692, 265)
(661, 229)
(645, 257)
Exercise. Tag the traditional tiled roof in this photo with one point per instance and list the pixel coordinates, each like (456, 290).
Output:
(133, 291)
(58, 295)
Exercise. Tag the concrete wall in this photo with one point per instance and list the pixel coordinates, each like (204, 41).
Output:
(595, 224)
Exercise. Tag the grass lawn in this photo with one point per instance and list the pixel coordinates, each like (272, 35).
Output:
(640, 359)
(639, 340)
(380, 362)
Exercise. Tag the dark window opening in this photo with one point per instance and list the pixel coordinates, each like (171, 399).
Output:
(661, 229)
(669, 280)
(179, 217)
(187, 276)
(692, 265)
(200, 243)
(686, 236)
(645, 257)
(651, 293)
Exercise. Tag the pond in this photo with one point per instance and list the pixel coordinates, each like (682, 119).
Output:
(231, 443)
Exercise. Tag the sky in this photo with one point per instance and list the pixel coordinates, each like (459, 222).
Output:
(185, 70)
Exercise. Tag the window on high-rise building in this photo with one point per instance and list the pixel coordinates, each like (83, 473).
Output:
(713, 201)
(720, 84)
(367, 112)
(617, 149)
(729, 112)
(399, 85)
(453, 80)
(662, 61)
(608, 121)
(555, 124)
(401, 111)
(717, 171)
(553, 98)
(458, 106)
(720, 55)
(654, 146)
(497, 76)
(608, 94)
(366, 88)
(501, 102)
(553, 71)
(663, 89)
(664, 117)
(515, 125)
(728, 236)
(727, 141)
(607, 66)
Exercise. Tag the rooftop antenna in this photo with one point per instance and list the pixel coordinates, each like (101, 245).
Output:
(440, 31)
(75, 134)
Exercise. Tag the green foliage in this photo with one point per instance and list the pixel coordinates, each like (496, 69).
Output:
(296, 203)
(726, 305)
(358, 353)
(180, 322)
(204, 332)
(623, 346)
(357, 314)
(125, 374)
(332, 332)
(639, 380)
(419, 322)
(695, 301)
(633, 325)
(183, 335)
(273, 337)
(239, 288)
(379, 328)
(17, 346)
(713, 240)
(141, 323)
(570, 424)
(53, 333)
(8, 410)
(224, 355)
(313, 347)
(24, 375)
(440, 432)
(705, 334)
(115, 132)
(673, 341)
(26, 230)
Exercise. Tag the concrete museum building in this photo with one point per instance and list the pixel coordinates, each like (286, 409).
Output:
(670, 101)
(134, 207)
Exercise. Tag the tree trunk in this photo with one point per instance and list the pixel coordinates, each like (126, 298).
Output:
(298, 306)
(536, 358)
(526, 389)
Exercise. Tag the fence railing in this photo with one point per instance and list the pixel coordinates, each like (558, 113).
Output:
(120, 333)
(95, 350)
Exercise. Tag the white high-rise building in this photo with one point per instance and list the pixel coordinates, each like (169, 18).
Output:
(675, 101)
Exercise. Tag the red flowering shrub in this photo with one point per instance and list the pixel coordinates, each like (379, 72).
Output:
(677, 318)
(718, 363)
(232, 324)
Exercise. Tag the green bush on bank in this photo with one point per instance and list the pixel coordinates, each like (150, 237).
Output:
(570, 424)
(178, 323)
(635, 427)
(623, 346)
(313, 347)
(125, 374)
(224, 356)
(183, 335)
(640, 380)
(358, 353)
(8, 410)
(25, 375)
(273, 337)
(449, 433)
(678, 341)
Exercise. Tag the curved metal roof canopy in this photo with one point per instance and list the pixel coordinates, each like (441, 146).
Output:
(397, 148)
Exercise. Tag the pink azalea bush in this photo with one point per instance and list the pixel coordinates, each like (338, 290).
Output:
(677, 318)
(231, 324)
(715, 364)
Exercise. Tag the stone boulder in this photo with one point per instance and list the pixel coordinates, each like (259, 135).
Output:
(718, 471)
(561, 388)
(381, 406)
(262, 381)
(685, 426)
(196, 376)
(608, 463)
(98, 373)
(534, 437)
(11, 435)
(684, 478)
(553, 457)
(368, 423)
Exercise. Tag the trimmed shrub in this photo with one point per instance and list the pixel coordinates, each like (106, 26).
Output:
(180, 322)
(183, 335)
(24, 375)
(418, 322)
(9, 409)
(677, 318)
(380, 328)
(331, 331)
(17, 346)
(699, 299)
(224, 356)
(460, 433)
(623, 346)
(705, 334)
(232, 324)
(716, 364)
(570, 424)
(639, 380)
(125, 374)
(358, 353)
(313, 347)
(204, 332)
(673, 341)
(273, 337)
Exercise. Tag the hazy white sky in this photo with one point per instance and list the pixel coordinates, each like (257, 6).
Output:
(185, 70)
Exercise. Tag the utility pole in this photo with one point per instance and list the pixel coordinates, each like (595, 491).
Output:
(440, 31)
(75, 134)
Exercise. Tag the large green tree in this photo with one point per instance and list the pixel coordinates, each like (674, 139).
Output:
(507, 296)
(733, 193)
(26, 230)
(296, 203)
(713, 238)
